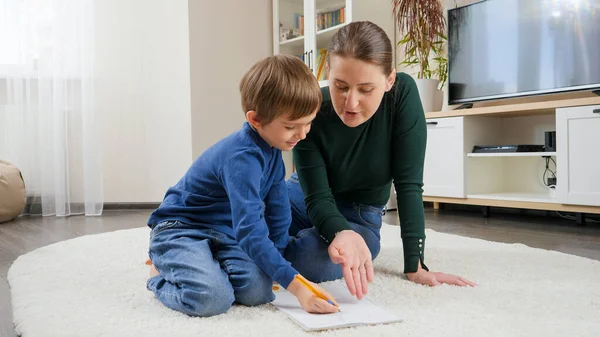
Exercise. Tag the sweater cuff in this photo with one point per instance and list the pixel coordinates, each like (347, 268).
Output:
(414, 249)
(330, 228)
(287, 277)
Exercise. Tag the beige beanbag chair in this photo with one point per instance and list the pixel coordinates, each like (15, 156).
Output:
(12, 192)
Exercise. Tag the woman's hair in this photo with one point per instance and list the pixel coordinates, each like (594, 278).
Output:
(365, 41)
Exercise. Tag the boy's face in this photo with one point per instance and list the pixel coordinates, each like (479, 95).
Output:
(283, 133)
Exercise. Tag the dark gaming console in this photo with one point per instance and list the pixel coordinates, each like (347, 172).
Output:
(507, 148)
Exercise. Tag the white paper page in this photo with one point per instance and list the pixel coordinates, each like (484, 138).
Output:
(353, 311)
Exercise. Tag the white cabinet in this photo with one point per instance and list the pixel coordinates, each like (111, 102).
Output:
(444, 171)
(305, 27)
(578, 155)
(454, 174)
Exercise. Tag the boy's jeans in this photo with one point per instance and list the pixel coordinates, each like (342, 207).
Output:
(307, 250)
(203, 271)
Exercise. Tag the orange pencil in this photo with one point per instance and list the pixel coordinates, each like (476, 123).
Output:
(314, 291)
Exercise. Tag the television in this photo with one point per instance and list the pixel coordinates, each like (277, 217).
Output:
(512, 48)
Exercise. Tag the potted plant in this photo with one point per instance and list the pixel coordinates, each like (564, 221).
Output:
(424, 27)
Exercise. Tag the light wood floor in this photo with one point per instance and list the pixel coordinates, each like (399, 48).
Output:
(26, 234)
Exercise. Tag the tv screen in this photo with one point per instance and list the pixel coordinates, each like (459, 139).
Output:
(509, 48)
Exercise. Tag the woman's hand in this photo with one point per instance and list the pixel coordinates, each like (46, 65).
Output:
(422, 276)
(350, 250)
(309, 301)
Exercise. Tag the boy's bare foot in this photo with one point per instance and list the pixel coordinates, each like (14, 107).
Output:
(153, 270)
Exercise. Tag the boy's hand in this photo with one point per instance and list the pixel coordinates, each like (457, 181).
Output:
(309, 301)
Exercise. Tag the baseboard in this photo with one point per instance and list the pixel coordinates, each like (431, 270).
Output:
(130, 205)
(33, 205)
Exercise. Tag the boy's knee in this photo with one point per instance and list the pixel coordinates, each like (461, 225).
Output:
(207, 303)
(259, 290)
(327, 272)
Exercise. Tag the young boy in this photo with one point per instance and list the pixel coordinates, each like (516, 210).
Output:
(219, 234)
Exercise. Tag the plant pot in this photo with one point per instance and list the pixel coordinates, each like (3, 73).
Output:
(431, 98)
(439, 100)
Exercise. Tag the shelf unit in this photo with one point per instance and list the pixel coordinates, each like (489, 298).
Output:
(297, 42)
(302, 16)
(313, 39)
(325, 35)
(453, 174)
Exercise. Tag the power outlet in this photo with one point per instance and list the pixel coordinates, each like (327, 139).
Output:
(551, 181)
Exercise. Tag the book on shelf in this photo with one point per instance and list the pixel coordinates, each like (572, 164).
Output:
(330, 18)
(321, 59)
(299, 22)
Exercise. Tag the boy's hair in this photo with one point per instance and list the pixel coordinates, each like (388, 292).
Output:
(280, 85)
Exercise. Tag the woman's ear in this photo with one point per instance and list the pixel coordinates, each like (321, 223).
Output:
(391, 79)
(252, 118)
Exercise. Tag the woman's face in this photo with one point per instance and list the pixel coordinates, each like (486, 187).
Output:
(357, 88)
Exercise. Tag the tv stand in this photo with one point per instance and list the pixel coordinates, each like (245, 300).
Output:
(466, 106)
(455, 175)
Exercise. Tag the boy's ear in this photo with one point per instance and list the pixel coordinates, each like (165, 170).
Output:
(252, 118)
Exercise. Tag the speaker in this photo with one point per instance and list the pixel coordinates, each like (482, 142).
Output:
(550, 145)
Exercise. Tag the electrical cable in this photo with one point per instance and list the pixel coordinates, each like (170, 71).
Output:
(544, 180)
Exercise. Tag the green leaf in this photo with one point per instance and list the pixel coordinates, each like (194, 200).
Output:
(405, 39)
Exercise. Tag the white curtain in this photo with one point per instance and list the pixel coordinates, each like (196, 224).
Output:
(47, 119)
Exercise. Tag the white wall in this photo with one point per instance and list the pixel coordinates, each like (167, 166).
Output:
(379, 12)
(143, 96)
(226, 38)
(168, 85)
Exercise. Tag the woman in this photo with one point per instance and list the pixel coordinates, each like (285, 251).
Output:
(370, 132)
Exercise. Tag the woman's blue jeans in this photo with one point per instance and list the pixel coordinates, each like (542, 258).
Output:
(307, 250)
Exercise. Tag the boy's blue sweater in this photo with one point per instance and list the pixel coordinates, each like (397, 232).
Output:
(237, 187)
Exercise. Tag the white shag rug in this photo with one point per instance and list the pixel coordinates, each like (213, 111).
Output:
(95, 286)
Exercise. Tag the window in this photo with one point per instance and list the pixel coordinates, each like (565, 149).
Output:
(9, 25)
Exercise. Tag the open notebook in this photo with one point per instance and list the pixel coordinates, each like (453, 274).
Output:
(354, 312)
